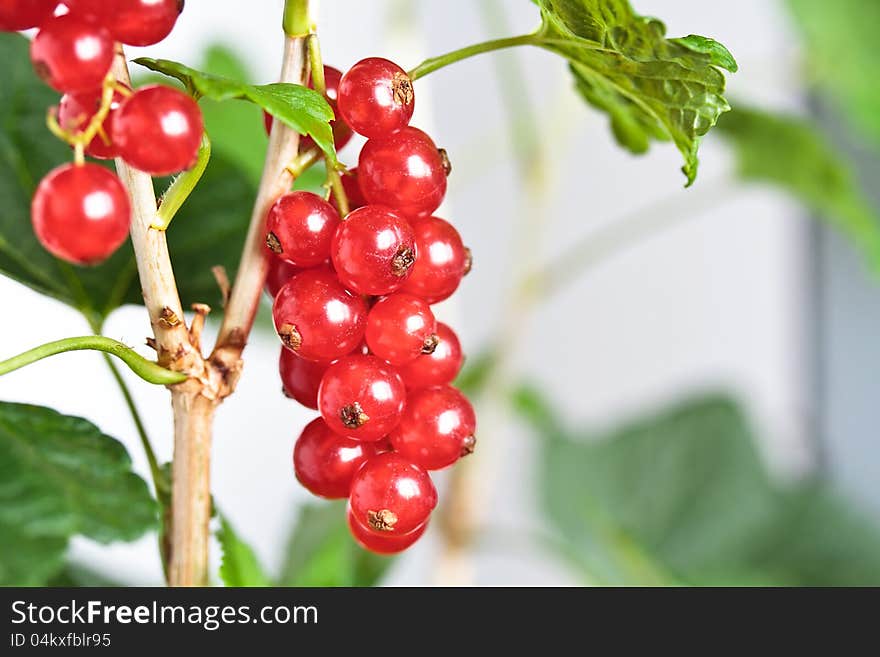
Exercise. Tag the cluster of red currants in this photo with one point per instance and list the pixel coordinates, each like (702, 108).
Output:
(352, 306)
(80, 211)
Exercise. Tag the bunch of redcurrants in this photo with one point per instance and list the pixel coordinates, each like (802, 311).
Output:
(352, 306)
(81, 211)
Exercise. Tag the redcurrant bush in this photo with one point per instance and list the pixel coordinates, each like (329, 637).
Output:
(158, 130)
(443, 260)
(16, 15)
(325, 462)
(405, 171)
(437, 428)
(390, 495)
(81, 213)
(439, 367)
(300, 378)
(317, 318)
(376, 97)
(373, 250)
(301, 226)
(400, 327)
(75, 111)
(382, 543)
(71, 54)
(361, 397)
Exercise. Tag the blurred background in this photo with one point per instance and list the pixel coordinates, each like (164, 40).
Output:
(673, 385)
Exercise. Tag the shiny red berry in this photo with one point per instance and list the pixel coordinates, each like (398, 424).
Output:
(71, 54)
(361, 397)
(437, 428)
(278, 274)
(437, 368)
(158, 130)
(390, 495)
(443, 260)
(136, 22)
(300, 378)
(325, 462)
(405, 171)
(81, 213)
(376, 97)
(301, 226)
(16, 15)
(75, 111)
(373, 250)
(352, 191)
(384, 543)
(317, 318)
(400, 327)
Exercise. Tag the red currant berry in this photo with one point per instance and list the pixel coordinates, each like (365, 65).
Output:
(17, 15)
(383, 445)
(317, 318)
(300, 378)
(75, 111)
(158, 130)
(342, 134)
(437, 368)
(442, 263)
(325, 462)
(71, 54)
(376, 97)
(400, 327)
(352, 191)
(405, 171)
(361, 397)
(81, 213)
(301, 226)
(137, 22)
(382, 544)
(437, 428)
(373, 250)
(278, 274)
(390, 495)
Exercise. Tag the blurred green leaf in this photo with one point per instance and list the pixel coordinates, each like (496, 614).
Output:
(29, 560)
(60, 476)
(301, 108)
(321, 552)
(239, 566)
(208, 230)
(75, 574)
(681, 495)
(652, 88)
(476, 371)
(843, 57)
(791, 153)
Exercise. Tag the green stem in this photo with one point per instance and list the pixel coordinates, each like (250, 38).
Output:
(181, 187)
(155, 471)
(146, 369)
(435, 63)
(296, 22)
(334, 182)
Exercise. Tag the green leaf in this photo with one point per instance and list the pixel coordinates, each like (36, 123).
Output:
(791, 153)
(321, 552)
(79, 575)
(239, 566)
(681, 495)
(60, 476)
(840, 39)
(652, 88)
(208, 230)
(301, 108)
(29, 560)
